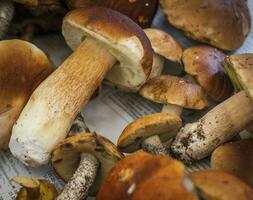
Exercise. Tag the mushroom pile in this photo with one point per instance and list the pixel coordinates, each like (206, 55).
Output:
(156, 154)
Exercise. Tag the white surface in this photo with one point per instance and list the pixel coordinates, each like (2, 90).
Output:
(107, 115)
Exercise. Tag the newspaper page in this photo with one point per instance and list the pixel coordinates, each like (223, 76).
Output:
(107, 114)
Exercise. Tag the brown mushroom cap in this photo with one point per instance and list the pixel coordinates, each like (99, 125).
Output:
(22, 68)
(164, 44)
(120, 35)
(220, 185)
(206, 65)
(66, 156)
(167, 89)
(162, 124)
(221, 23)
(143, 176)
(240, 70)
(142, 12)
(235, 158)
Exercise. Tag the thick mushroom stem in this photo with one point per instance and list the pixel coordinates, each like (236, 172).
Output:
(6, 15)
(154, 145)
(172, 109)
(82, 72)
(78, 186)
(197, 140)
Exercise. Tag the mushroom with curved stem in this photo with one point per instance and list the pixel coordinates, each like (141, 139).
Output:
(142, 12)
(6, 14)
(147, 177)
(197, 140)
(84, 160)
(206, 65)
(27, 67)
(105, 36)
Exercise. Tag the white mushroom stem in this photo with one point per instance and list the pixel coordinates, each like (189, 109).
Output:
(6, 15)
(197, 140)
(154, 145)
(55, 103)
(172, 109)
(78, 186)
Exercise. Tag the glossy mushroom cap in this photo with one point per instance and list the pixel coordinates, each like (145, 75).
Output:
(143, 176)
(167, 89)
(22, 68)
(220, 185)
(142, 12)
(240, 70)
(206, 65)
(221, 23)
(162, 124)
(235, 158)
(66, 156)
(120, 35)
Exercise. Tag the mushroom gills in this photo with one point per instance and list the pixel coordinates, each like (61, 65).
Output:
(78, 186)
(6, 15)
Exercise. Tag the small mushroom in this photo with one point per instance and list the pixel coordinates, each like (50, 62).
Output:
(165, 47)
(83, 160)
(221, 23)
(149, 132)
(235, 158)
(175, 93)
(143, 176)
(6, 15)
(22, 68)
(206, 65)
(197, 140)
(215, 185)
(104, 37)
(142, 12)
(33, 188)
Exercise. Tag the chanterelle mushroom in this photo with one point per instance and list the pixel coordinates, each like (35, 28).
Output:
(197, 140)
(6, 15)
(221, 23)
(105, 37)
(143, 176)
(206, 65)
(235, 158)
(22, 68)
(215, 185)
(148, 132)
(142, 12)
(84, 160)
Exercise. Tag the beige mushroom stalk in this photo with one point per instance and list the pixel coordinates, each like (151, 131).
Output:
(6, 15)
(104, 37)
(22, 68)
(84, 160)
(197, 140)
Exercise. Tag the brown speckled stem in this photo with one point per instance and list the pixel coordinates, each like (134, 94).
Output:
(78, 186)
(154, 145)
(6, 15)
(78, 126)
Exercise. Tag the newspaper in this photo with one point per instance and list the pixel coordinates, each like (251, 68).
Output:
(108, 114)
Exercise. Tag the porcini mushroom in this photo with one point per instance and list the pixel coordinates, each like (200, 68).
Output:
(105, 37)
(22, 68)
(197, 140)
(148, 133)
(6, 15)
(235, 158)
(143, 176)
(165, 47)
(142, 12)
(221, 23)
(206, 65)
(215, 185)
(175, 93)
(83, 160)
